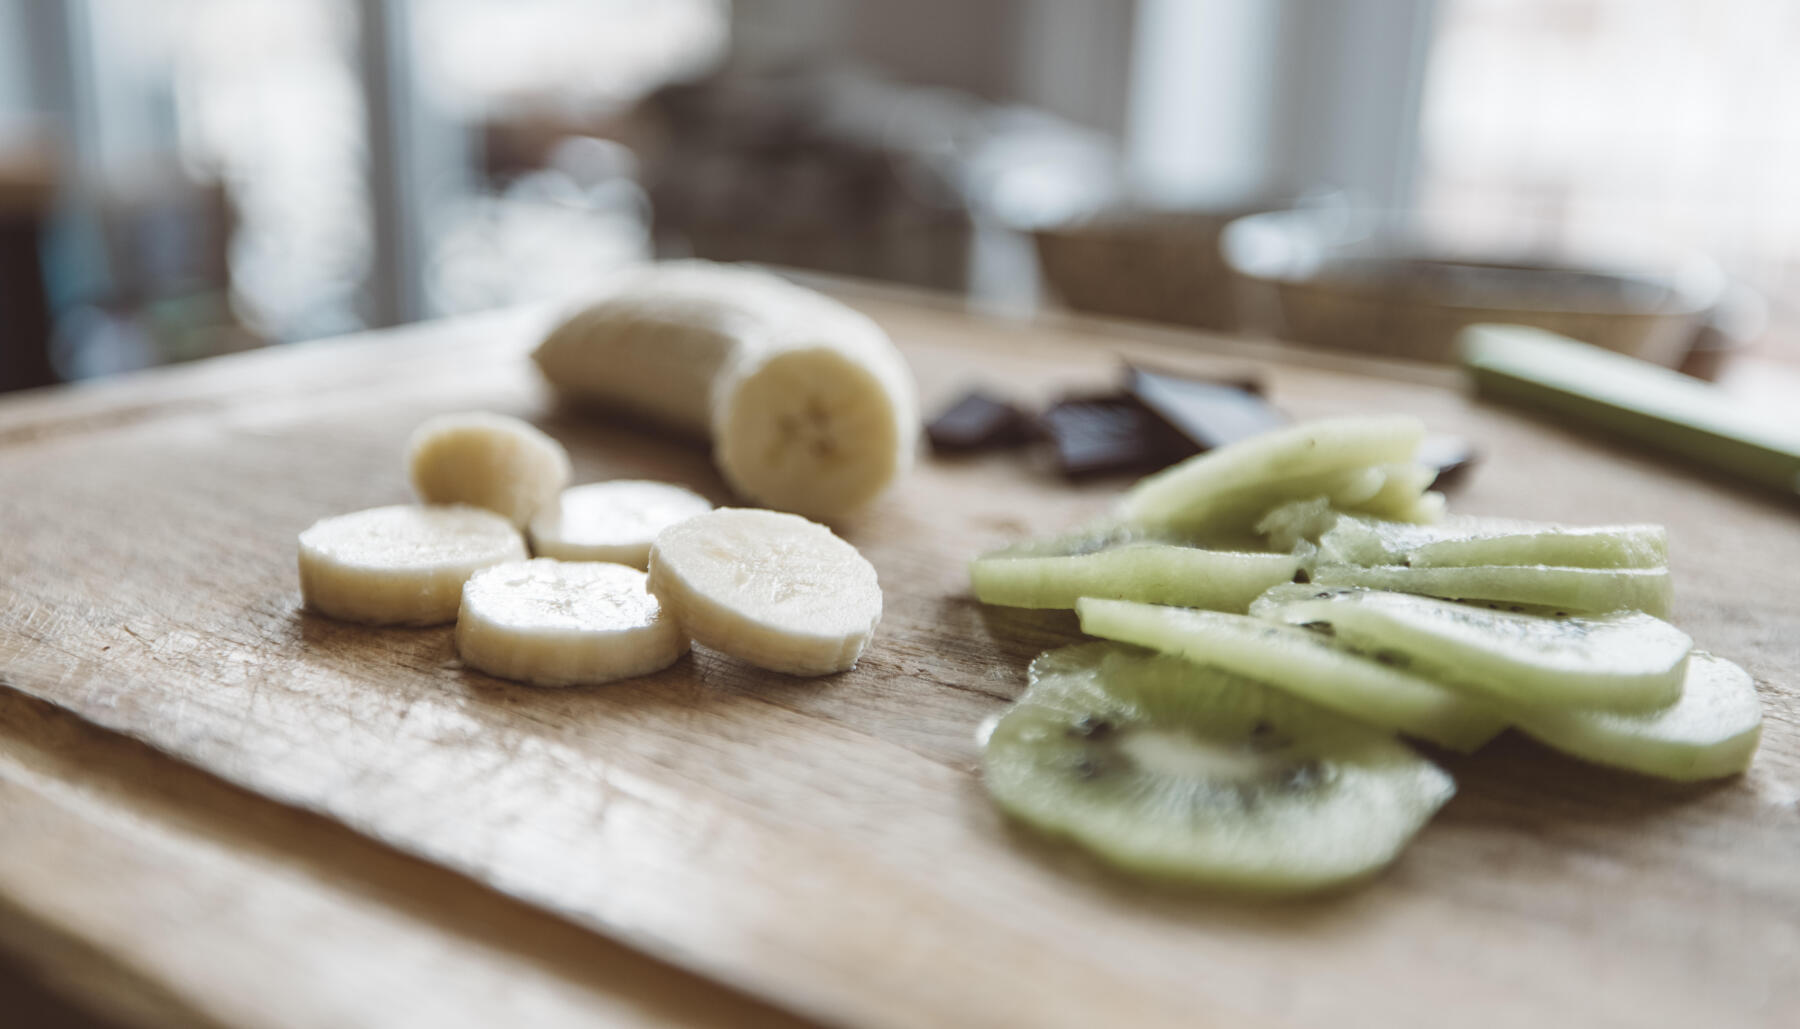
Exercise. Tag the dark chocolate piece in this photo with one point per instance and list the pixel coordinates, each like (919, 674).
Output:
(1209, 413)
(1100, 435)
(1450, 455)
(978, 422)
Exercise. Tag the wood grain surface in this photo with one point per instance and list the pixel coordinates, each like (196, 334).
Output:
(825, 845)
(157, 895)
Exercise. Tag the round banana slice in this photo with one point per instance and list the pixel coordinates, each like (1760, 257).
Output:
(772, 589)
(489, 460)
(401, 565)
(612, 521)
(559, 623)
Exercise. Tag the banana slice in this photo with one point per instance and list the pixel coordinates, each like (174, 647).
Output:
(489, 460)
(773, 589)
(400, 565)
(558, 623)
(612, 521)
(808, 405)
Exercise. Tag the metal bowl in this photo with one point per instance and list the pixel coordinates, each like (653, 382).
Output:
(1396, 285)
(1145, 263)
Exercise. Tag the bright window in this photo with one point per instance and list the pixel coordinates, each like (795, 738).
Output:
(1662, 118)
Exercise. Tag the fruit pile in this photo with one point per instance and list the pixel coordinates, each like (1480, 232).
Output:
(809, 408)
(771, 589)
(1274, 613)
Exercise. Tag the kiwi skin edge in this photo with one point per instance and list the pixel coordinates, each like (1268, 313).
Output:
(1066, 853)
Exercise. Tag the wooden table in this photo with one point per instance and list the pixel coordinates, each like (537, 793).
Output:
(218, 809)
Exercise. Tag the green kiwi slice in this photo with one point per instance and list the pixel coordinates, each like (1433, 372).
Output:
(1400, 501)
(1298, 521)
(1623, 661)
(1402, 487)
(1464, 542)
(1304, 663)
(1569, 589)
(1174, 771)
(1429, 508)
(1114, 561)
(1711, 732)
(1234, 485)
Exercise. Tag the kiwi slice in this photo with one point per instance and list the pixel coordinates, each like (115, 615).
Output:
(1232, 486)
(1568, 589)
(1175, 771)
(1464, 541)
(1307, 664)
(1712, 731)
(1115, 561)
(1402, 487)
(1429, 508)
(1605, 546)
(1298, 521)
(1622, 661)
(1238, 510)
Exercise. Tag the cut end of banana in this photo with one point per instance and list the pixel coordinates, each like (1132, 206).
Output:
(612, 521)
(401, 565)
(817, 430)
(556, 623)
(809, 406)
(769, 588)
(488, 460)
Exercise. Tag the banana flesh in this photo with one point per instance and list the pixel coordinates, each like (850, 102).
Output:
(655, 339)
(772, 589)
(401, 565)
(808, 405)
(821, 424)
(563, 623)
(488, 460)
(612, 521)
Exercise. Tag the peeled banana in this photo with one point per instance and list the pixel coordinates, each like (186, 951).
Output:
(808, 405)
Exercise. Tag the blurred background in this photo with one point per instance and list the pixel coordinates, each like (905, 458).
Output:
(181, 178)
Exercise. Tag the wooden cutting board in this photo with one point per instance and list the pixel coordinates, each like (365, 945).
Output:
(825, 844)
